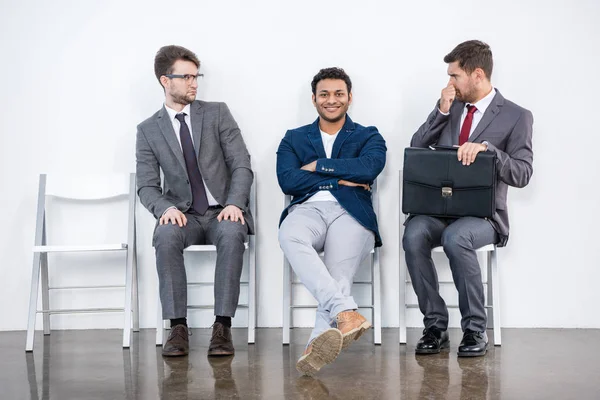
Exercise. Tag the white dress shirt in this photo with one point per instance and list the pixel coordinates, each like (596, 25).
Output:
(176, 125)
(325, 195)
(481, 105)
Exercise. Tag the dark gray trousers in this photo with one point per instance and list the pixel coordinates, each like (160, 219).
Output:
(170, 240)
(460, 238)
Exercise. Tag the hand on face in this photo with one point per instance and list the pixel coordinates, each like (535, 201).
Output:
(447, 97)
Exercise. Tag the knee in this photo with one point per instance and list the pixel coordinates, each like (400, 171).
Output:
(287, 235)
(230, 233)
(415, 239)
(456, 241)
(169, 235)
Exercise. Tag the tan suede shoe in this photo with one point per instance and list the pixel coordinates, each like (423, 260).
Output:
(352, 325)
(323, 350)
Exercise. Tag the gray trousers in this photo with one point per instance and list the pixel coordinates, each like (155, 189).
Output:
(460, 238)
(170, 240)
(311, 228)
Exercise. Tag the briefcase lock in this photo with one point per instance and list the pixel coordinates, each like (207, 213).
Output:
(446, 191)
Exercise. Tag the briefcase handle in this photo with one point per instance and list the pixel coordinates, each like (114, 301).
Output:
(443, 147)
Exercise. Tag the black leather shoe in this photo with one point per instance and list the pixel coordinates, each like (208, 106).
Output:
(433, 340)
(220, 342)
(473, 344)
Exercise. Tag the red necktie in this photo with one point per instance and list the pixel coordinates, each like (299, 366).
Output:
(466, 128)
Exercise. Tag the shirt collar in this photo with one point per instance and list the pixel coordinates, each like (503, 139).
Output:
(325, 134)
(484, 103)
(173, 113)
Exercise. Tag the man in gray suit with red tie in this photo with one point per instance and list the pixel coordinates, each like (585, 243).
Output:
(473, 115)
(204, 198)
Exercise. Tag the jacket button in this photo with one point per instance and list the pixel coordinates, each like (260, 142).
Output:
(188, 203)
(187, 181)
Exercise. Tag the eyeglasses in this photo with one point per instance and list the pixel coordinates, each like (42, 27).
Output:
(189, 78)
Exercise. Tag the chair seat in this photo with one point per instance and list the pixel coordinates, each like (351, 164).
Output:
(206, 247)
(488, 247)
(89, 247)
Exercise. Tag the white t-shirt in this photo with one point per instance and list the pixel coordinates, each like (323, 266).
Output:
(325, 195)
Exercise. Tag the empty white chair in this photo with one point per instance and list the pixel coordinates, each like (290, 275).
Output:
(249, 264)
(492, 283)
(83, 190)
(374, 282)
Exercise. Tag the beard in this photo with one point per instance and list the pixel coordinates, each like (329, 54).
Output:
(469, 96)
(184, 99)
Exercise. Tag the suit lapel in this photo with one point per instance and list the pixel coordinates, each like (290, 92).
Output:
(489, 115)
(166, 128)
(196, 117)
(345, 132)
(314, 135)
(455, 122)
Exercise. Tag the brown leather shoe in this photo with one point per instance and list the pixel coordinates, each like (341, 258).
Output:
(352, 325)
(220, 342)
(322, 350)
(178, 343)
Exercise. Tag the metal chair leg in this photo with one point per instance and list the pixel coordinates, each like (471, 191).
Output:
(287, 300)
(495, 281)
(251, 289)
(33, 297)
(376, 276)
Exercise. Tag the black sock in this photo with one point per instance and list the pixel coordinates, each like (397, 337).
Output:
(224, 320)
(178, 321)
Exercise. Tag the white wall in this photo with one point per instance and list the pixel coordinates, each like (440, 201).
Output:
(78, 77)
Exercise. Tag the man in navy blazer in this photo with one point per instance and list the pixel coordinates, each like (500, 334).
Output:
(328, 167)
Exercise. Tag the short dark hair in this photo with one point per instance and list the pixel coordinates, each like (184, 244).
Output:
(166, 57)
(470, 55)
(331, 73)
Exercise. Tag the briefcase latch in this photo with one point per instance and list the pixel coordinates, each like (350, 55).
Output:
(446, 191)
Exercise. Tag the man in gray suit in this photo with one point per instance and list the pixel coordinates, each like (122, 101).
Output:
(204, 198)
(473, 115)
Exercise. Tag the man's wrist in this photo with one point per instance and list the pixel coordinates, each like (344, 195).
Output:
(170, 208)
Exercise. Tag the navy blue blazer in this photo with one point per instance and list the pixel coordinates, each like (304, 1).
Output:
(358, 156)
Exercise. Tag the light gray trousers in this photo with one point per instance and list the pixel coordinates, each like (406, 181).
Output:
(311, 228)
(170, 240)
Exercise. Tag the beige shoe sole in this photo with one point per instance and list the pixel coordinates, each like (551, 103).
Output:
(325, 349)
(354, 334)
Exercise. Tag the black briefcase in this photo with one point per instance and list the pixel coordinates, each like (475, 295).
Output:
(435, 183)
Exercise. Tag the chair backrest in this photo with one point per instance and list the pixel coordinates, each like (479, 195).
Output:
(401, 216)
(252, 200)
(86, 188)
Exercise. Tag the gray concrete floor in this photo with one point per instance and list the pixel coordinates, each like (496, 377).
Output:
(531, 364)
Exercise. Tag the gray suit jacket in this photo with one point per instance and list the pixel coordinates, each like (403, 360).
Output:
(507, 128)
(222, 157)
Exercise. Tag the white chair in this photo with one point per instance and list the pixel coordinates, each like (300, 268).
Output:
(492, 283)
(375, 283)
(85, 190)
(249, 263)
